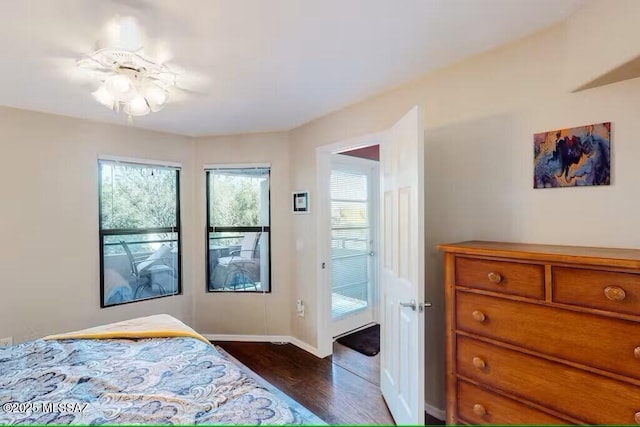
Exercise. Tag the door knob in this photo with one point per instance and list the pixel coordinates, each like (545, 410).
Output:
(413, 305)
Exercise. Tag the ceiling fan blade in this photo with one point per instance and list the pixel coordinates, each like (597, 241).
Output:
(160, 19)
(190, 81)
(191, 92)
(66, 68)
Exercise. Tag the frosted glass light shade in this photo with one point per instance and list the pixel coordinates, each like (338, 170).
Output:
(156, 97)
(137, 107)
(121, 88)
(103, 96)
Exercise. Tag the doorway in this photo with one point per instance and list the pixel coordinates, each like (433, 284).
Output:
(353, 203)
(401, 261)
(348, 234)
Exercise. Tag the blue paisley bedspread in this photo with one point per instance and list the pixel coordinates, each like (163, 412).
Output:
(122, 381)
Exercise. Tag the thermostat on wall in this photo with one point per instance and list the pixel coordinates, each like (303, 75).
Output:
(300, 202)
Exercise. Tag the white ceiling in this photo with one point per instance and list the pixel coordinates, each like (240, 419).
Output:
(255, 65)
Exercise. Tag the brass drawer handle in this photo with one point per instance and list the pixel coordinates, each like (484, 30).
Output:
(637, 417)
(636, 352)
(494, 277)
(480, 410)
(478, 315)
(479, 363)
(615, 293)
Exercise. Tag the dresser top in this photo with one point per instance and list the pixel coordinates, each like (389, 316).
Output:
(626, 258)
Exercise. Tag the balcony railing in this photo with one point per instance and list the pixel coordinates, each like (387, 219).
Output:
(350, 267)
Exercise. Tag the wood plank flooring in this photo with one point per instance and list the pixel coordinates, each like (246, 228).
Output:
(366, 367)
(325, 387)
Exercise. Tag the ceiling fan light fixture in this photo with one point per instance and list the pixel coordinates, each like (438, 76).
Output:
(103, 96)
(137, 107)
(128, 80)
(120, 87)
(156, 97)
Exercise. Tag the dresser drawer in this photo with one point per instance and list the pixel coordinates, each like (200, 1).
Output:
(580, 394)
(601, 342)
(526, 280)
(479, 406)
(606, 290)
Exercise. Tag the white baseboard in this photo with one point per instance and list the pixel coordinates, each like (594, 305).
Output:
(308, 348)
(435, 412)
(266, 338)
(247, 338)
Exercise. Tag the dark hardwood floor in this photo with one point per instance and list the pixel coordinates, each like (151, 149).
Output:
(366, 367)
(336, 394)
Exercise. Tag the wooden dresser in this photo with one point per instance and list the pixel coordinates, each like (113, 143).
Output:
(540, 334)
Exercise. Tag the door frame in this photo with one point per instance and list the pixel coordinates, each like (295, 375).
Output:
(323, 238)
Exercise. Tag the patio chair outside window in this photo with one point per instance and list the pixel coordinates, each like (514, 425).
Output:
(241, 269)
(147, 270)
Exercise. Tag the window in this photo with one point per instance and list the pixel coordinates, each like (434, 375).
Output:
(351, 243)
(238, 244)
(139, 232)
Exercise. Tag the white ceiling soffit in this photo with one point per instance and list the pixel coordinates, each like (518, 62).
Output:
(254, 65)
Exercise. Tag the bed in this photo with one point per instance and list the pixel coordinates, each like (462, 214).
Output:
(152, 370)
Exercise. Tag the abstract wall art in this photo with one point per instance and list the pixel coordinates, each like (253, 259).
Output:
(572, 157)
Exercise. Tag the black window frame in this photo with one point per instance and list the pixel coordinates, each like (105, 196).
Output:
(241, 229)
(124, 231)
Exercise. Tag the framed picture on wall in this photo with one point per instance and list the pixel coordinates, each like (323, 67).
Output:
(300, 202)
(573, 157)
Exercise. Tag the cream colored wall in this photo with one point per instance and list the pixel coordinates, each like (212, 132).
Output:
(480, 117)
(601, 37)
(49, 257)
(242, 313)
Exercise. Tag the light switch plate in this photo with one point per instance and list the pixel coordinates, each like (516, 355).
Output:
(300, 307)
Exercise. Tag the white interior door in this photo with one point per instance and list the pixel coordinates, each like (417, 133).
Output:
(402, 269)
(354, 213)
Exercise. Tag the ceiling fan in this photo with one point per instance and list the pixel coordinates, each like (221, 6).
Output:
(129, 80)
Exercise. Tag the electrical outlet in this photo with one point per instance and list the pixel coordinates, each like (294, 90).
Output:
(300, 307)
(6, 342)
